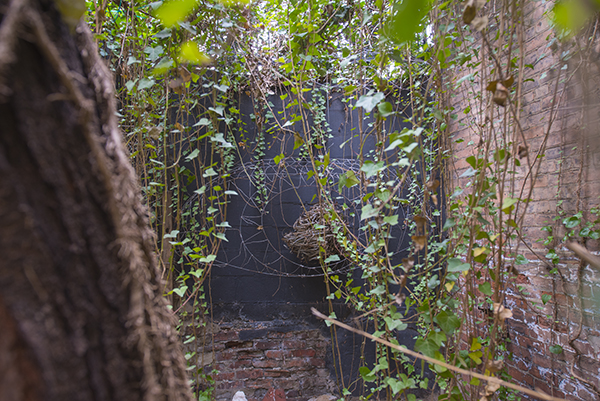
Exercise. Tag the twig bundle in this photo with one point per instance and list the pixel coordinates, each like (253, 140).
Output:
(312, 231)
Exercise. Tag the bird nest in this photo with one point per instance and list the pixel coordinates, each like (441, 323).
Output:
(312, 235)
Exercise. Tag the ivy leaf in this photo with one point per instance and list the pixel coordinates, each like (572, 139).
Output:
(192, 155)
(486, 288)
(406, 20)
(385, 109)
(448, 322)
(457, 265)
(371, 168)
(145, 83)
(449, 223)
(556, 349)
(191, 52)
(426, 347)
(279, 158)
(395, 324)
(332, 258)
(368, 211)
(507, 203)
(180, 291)
(368, 103)
(174, 11)
(546, 298)
(154, 52)
(521, 260)
(571, 15)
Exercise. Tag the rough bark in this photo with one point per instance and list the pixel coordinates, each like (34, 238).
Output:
(81, 316)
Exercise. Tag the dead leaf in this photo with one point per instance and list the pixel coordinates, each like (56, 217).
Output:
(508, 81)
(155, 131)
(420, 220)
(184, 74)
(434, 199)
(432, 185)
(175, 83)
(500, 95)
(469, 12)
(399, 298)
(420, 241)
(494, 366)
(480, 23)
(491, 388)
(522, 151)
(491, 86)
(501, 312)
(408, 263)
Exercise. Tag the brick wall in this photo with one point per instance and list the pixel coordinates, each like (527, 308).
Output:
(563, 128)
(256, 357)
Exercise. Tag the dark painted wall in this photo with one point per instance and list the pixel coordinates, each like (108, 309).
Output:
(255, 276)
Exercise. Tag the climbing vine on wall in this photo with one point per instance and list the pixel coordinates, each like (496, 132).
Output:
(181, 68)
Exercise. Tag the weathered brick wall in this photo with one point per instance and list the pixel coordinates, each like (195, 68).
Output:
(559, 117)
(256, 357)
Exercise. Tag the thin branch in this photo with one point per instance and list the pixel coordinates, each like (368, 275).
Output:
(584, 254)
(453, 368)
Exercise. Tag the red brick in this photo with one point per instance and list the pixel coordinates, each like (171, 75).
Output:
(267, 344)
(249, 374)
(294, 344)
(274, 354)
(226, 336)
(265, 363)
(274, 395)
(318, 362)
(303, 353)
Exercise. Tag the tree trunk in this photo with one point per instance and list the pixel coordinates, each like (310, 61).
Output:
(81, 316)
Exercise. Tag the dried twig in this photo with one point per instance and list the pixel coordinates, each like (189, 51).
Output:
(453, 368)
(584, 254)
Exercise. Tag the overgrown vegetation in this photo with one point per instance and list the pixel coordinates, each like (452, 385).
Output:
(180, 58)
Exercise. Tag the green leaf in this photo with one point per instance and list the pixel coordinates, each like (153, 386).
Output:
(191, 52)
(556, 349)
(486, 288)
(172, 234)
(368, 211)
(368, 103)
(154, 52)
(210, 172)
(391, 220)
(507, 203)
(180, 291)
(145, 83)
(457, 265)
(371, 168)
(448, 322)
(192, 155)
(174, 11)
(406, 20)
(332, 258)
(449, 223)
(279, 158)
(546, 298)
(476, 356)
(395, 324)
(521, 260)
(426, 347)
(571, 15)
(572, 221)
(385, 109)
(366, 374)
